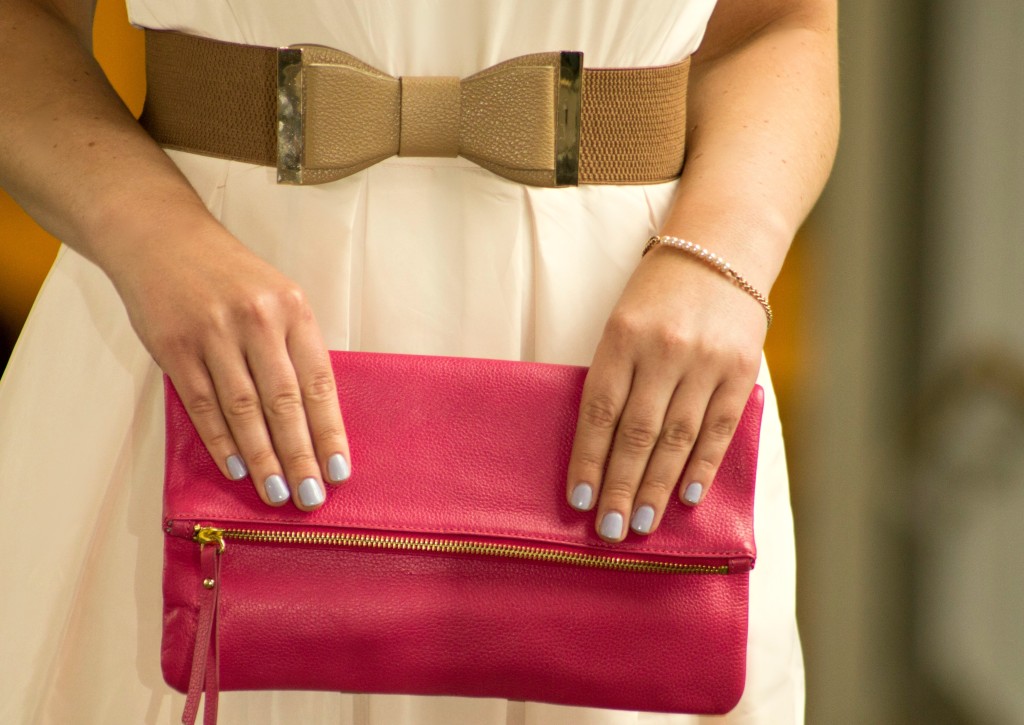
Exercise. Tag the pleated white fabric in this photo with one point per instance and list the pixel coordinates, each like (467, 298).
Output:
(428, 256)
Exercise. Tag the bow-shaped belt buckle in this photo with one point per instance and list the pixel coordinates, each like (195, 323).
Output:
(337, 115)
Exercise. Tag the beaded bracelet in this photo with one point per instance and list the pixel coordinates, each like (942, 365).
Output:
(714, 261)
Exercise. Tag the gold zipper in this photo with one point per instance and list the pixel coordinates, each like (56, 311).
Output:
(205, 535)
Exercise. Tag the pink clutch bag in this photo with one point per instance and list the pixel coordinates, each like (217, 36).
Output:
(450, 562)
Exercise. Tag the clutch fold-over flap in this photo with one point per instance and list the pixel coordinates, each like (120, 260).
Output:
(465, 448)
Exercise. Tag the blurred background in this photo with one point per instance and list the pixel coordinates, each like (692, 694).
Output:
(898, 355)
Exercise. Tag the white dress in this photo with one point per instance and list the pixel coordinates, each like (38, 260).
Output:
(429, 256)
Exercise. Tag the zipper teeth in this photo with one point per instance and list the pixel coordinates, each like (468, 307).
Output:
(510, 551)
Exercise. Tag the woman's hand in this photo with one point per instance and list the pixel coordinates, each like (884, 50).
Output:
(236, 337)
(244, 352)
(682, 348)
(666, 389)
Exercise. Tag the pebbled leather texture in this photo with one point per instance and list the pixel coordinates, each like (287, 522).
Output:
(456, 448)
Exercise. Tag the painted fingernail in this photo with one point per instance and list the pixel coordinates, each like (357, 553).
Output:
(582, 497)
(611, 525)
(693, 492)
(338, 469)
(310, 492)
(276, 488)
(643, 519)
(236, 467)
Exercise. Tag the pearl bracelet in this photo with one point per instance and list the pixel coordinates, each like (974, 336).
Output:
(715, 261)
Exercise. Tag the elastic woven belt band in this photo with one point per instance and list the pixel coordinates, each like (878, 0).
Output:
(221, 99)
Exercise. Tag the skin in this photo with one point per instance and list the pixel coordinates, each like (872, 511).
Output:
(677, 359)
(682, 348)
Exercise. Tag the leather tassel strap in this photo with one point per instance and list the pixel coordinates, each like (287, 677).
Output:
(205, 673)
(318, 114)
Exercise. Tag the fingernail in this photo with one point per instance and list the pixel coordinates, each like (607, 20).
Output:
(310, 492)
(643, 519)
(236, 467)
(338, 469)
(693, 492)
(582, 497)
(611, 525)
(276, 488)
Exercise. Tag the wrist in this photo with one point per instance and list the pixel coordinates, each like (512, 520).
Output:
(753, 237)
(133, 243)
(713, 261)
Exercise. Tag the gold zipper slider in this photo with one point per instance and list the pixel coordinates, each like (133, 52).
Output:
(210, 535)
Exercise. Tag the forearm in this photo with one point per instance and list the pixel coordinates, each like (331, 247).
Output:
(763, 128)
(70, 152)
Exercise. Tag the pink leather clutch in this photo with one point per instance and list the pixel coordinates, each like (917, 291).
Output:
(450, 562)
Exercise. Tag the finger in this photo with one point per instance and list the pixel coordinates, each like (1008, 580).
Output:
(678, 435)
(197, 393)
(320, 399)
(720, 420)
(240, 403)
(635, 438)
(285, 414)
(604, 395)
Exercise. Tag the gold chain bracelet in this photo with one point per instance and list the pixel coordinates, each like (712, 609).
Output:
(714, 261)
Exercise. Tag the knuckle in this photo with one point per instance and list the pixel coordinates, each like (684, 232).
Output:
(260, 311)
(624, 328)
(708, 459)
(293, 297)
(266, 308)
(669, 341)
(243, 406)
(173, 345)
(678, 436)
(706, 468)
(293, 301)
(600, 412)
(748, 363)
(618, 490)
(328, 435)
(300, 460)
(262, 459)
(201, 405)
(284, 403)
(661, 487)
(221, 441)
(638, 435)
(591, 461)
(721, 426)
(320, 388)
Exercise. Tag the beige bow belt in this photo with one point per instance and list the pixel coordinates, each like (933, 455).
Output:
(318, 114)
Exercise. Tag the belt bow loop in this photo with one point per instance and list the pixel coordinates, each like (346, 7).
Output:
(337, 115)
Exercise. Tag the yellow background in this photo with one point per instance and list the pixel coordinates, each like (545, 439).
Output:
(26, 251)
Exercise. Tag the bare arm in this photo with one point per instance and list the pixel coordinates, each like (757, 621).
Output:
(235, 336)
(681, 350)
(72, 154)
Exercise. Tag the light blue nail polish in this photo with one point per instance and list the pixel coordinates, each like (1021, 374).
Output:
(236, 467)
(276, 488)
(311, 493)
(611, 525)
(338, 469)
(693, 492)
(582, 497)
(643, 519)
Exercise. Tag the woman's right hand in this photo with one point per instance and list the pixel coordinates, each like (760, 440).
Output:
(244, 351)
(236, 337)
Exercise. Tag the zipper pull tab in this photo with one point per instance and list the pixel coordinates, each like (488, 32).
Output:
(204, 677)
(209, 535)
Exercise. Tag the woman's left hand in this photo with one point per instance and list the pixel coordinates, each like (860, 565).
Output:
(669, 381)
